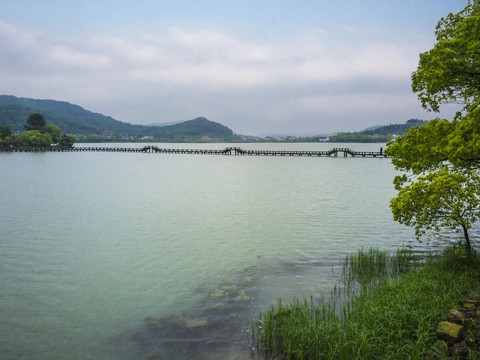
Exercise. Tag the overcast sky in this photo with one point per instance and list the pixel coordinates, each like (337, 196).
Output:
(259, 67)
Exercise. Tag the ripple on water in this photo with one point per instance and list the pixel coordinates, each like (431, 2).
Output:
(219, 324)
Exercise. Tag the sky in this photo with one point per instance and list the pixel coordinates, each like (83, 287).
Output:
(260, 67)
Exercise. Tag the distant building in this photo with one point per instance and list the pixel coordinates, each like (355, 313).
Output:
(106, 134)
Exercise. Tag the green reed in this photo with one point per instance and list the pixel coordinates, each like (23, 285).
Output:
(371, 267)
(390, 312)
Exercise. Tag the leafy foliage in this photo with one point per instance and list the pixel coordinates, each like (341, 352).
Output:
(4, 132)
(442, 158)
(54, 132)
(423, 148)
(450, 71)
(35, 121)
(463, 147)
(439, 199)
(34, 137)
(442, 188)
(38, 133)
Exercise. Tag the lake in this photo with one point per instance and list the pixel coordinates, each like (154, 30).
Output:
(146, 256)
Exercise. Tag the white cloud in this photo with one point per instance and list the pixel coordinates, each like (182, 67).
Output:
(73, 58)
(120, 76)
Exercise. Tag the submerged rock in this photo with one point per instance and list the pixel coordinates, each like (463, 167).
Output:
(192, 323)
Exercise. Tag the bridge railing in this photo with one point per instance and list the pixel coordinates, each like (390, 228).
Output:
(226, 151)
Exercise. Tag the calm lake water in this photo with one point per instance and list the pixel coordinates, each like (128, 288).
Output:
(146, 256)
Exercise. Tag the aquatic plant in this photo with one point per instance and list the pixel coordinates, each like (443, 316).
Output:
(243, 296)
(389, 309)
(219, 293)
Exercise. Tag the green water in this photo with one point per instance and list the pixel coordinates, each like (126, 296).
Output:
(109, 255)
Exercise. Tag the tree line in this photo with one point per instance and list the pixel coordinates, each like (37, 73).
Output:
(37, 133)
(360, 138)
(380, 134)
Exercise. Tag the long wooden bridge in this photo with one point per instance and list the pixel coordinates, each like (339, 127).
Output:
(345, 152)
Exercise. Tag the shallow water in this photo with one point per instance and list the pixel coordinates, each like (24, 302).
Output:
(136, 256)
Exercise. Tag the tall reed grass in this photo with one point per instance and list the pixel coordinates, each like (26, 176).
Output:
(389, 308)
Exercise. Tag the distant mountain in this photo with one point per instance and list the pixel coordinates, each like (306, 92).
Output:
(394, 129)
(73, 119)
(372, 128)
(377, 133)
(193, 129)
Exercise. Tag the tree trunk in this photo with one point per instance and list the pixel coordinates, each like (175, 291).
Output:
(467, 238)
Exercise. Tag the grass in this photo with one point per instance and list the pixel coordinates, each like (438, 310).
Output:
(388, 309)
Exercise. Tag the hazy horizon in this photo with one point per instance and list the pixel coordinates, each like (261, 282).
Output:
(283, 67)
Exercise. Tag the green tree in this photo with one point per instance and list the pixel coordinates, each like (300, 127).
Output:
(34, 137)
(439, 199)
(4, 133)
(441, 160)
(450, 71)
(441, 184)
(53, 131)
(35, 122)
(463, 149)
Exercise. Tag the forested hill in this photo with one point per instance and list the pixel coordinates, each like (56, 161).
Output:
(87, 125)
(378, 134)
